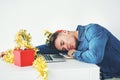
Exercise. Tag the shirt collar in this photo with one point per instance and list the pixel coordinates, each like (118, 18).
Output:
(81, 30)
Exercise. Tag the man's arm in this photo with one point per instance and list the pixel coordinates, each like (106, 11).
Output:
(97, 37)
(44, 48)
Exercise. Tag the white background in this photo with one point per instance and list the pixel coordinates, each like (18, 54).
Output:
(37, 15)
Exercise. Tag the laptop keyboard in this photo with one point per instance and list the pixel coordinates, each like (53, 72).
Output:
(57, 56)
(47, 57)
(53, 58)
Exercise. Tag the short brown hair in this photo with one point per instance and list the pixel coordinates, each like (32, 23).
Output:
(52, 39)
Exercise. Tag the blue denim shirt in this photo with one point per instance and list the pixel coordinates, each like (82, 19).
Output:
(98, 46)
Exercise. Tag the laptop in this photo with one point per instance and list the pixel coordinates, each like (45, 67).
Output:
(50, 58)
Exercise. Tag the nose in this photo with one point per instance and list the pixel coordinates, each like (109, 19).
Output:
(64, 48)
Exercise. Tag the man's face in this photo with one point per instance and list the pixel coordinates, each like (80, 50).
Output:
(65, 41)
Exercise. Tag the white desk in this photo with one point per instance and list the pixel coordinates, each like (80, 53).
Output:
(69, 70)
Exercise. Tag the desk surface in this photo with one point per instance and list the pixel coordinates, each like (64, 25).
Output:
(69, 70)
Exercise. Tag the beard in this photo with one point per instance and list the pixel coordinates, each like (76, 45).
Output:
(76, 43)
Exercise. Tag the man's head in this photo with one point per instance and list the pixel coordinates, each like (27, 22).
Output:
(63, 40)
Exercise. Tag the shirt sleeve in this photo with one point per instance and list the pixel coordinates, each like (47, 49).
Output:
(97, 39)
(45, 49)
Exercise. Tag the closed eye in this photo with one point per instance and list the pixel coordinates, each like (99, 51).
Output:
(62, 43)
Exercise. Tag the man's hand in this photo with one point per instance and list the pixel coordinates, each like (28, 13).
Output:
(70, 52)
(2, 54)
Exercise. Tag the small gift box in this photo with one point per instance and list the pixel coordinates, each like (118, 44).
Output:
(23, 57)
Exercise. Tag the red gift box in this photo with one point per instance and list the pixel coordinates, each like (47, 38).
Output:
(23, 57)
